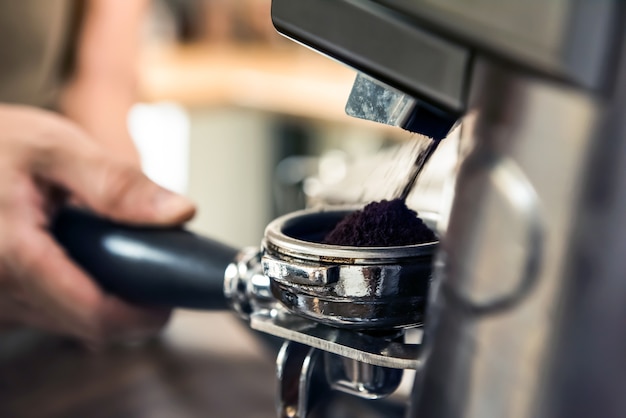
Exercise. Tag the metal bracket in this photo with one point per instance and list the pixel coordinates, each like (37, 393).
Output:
(351, 344)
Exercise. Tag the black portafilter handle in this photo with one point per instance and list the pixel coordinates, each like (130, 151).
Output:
(157, 266)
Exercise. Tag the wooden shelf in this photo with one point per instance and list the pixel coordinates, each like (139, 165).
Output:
(286, 80)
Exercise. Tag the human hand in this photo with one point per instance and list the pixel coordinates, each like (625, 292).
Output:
(40, 155)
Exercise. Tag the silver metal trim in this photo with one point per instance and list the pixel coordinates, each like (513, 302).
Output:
(350, 344)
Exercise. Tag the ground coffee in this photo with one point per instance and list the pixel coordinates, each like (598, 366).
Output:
(381, 224)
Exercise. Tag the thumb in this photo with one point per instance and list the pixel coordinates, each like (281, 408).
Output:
(122, 192)
(112, 187)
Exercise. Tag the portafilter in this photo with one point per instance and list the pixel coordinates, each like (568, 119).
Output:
(342, 309)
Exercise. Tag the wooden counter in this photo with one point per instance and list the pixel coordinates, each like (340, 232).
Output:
(204, 365)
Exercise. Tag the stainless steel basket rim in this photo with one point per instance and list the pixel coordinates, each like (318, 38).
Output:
(275, 239)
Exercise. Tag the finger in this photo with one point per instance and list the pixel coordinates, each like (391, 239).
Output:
(110, 186)
(20, 198)
(15, 312)
(70, 301)
(117, 326)
(51, 197)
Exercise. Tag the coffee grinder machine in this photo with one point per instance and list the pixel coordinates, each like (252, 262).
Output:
(529, 294)
(526, 288)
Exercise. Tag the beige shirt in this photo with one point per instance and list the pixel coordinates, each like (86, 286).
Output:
(35, 37)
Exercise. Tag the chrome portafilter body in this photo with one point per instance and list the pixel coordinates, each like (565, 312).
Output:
(342, 310)
(360, 288)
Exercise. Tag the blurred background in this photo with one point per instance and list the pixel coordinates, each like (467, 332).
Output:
(240, 118)
(250, 126)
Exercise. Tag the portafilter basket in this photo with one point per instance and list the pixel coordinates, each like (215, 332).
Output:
(361, 288)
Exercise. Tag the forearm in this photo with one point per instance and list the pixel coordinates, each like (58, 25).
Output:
(103, 86)
(101, 108)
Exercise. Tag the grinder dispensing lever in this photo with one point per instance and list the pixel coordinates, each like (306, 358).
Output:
(374, 100)
(152, 266)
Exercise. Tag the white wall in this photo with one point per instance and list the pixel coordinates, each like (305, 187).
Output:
(230, 168)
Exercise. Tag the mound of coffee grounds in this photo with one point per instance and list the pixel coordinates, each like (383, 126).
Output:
(381, 224)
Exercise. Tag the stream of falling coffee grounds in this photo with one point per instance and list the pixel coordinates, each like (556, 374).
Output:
(388, 222)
